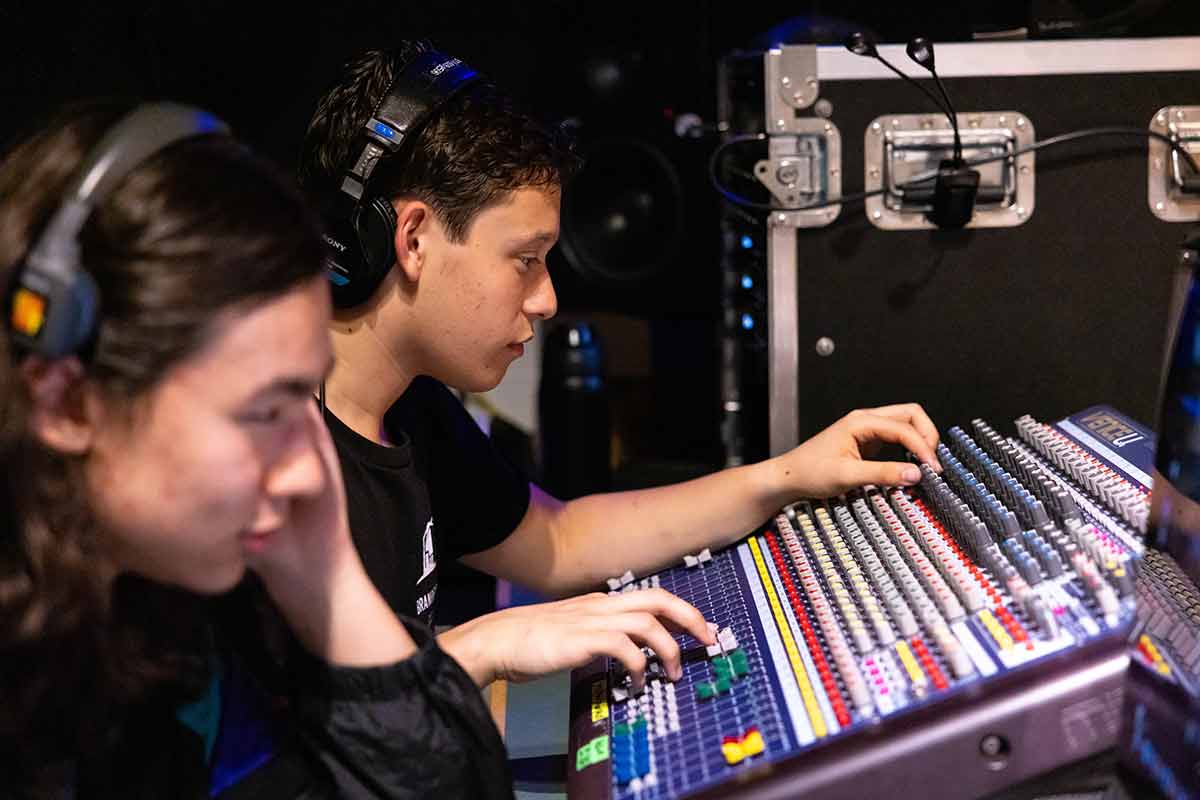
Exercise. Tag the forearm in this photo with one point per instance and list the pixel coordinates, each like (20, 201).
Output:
(563, 548)
(353, 627)
(603, 535)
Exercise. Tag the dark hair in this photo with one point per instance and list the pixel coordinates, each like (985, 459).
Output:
(200, 228)
(477, 148)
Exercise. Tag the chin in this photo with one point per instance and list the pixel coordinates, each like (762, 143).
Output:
(483, 381)
(488, 385)
(215, 581)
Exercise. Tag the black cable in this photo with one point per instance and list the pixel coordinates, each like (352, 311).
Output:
(738, 200)
(958, 159)
(1062, 138)
(945, 109)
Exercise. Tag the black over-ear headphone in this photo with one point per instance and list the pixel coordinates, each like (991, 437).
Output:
(54, 305)
(360, 228)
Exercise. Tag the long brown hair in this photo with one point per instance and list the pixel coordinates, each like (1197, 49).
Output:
(201, 227)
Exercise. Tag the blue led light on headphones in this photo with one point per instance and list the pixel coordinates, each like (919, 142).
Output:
(747, 282)
(207, 123)
(384, 130)
(363, 223)
(747, 322)
(747, 242)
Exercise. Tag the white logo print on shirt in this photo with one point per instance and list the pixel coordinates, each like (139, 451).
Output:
(427, 552)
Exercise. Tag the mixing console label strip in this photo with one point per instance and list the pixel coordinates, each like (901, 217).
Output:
(801, 727)
(975, 651)
(795, 666)
(808, 655)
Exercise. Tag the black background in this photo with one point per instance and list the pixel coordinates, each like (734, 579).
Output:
(261, 67)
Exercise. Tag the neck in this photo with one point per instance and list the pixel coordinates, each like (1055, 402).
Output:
(368, 377)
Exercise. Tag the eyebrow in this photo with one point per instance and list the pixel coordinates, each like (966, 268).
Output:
(295, 385)
(543, 236)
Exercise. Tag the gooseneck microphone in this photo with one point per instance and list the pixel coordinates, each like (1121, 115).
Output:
(956, 185)
(920, 50)
(860, 45)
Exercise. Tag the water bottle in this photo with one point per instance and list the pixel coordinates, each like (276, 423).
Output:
(573, 413)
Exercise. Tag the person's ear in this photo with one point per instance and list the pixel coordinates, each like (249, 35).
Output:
(413, 229)
(61, 416)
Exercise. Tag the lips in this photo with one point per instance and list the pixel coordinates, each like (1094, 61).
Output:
(518, 347)
(256, 541)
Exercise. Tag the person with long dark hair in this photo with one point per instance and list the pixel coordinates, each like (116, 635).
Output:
(174, 446)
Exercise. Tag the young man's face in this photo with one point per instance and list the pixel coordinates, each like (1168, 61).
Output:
(477, 299)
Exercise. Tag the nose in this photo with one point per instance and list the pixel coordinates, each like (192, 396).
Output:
(542, 302)
(297, 471)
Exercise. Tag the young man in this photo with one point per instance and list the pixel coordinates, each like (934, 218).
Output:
(476, 197)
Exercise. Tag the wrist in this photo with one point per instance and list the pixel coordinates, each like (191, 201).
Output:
(467, 644)
(363, 629)
(341, 619)
(775, 483)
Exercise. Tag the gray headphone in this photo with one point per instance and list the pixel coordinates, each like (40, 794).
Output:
(54, 305)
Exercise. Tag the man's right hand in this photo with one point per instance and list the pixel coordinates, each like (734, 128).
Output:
(527, 642)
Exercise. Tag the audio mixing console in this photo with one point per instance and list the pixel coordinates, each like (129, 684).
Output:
(945, 640)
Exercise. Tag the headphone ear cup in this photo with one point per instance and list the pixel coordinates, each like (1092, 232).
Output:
(67, 312)
(376, 225)
(85, 299)
(345, 266)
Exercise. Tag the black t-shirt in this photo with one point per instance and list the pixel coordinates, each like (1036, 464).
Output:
(441, 491)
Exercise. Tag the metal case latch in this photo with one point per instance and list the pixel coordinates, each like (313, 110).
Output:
(804, 154)
(1166, 167)
(900, 149)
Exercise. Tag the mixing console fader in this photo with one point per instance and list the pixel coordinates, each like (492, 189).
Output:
(948, 639)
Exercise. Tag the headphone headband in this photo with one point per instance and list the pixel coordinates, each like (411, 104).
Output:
(359, 227)
(54, 305)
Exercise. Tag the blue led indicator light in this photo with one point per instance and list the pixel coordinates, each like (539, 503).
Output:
(207, 123)
(747, 321)
(747, 282)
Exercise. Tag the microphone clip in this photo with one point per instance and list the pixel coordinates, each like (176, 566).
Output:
(954, 194)
(956, 185)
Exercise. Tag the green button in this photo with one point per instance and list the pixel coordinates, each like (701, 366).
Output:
(622, 729)
(593, 752)
(723, 685)
(705, 691)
